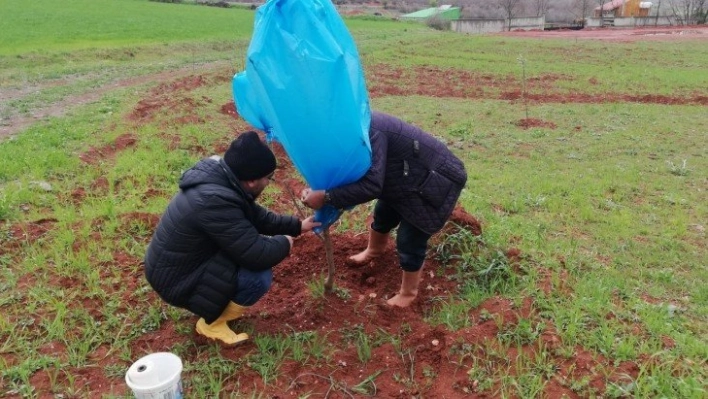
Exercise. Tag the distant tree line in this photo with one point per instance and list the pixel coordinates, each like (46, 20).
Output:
(554, 10)
(685, 11)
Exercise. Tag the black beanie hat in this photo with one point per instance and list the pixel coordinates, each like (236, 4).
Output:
(249, 157)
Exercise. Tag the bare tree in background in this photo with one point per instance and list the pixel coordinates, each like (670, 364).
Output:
(565, 10)
(481, 9)
(585, 7)
(683, 10)
(690, 10)
(600, 3)
(540, 7)
(701, 11)
(510, 8)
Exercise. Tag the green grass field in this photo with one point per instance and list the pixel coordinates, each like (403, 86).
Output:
(608, 206)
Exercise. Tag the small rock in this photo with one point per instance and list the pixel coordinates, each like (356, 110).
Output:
(42, 185)
(436, 342)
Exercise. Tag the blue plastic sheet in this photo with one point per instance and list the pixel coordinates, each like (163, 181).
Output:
(304, 86)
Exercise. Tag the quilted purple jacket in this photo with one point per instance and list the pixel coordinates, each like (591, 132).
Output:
(411, 171)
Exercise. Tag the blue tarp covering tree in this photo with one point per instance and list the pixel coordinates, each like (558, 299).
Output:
(304, 87)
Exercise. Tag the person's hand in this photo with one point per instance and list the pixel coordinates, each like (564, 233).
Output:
(290, 240)
(312, 198)
(309, 224)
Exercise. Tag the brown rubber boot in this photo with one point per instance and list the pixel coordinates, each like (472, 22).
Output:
(219, 329)
(409, 289)
(376, 248)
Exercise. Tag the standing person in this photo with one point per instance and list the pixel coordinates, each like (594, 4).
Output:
(214, 249)
(416, 180)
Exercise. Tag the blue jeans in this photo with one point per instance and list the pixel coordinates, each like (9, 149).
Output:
(252, 286)
(411, 242)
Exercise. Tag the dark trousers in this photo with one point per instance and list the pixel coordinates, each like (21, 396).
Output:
(411, 243)
(252, 286)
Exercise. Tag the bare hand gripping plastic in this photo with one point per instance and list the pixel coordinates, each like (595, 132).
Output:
(304, 86)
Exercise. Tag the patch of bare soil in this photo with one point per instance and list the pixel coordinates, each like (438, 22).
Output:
(95, 155)
(386, 80)
(648, 33)
(527, 123)
(14, 123)
(20, 234)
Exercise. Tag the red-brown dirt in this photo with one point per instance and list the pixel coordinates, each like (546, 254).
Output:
(631, 34)
(436, 360)
(387, 80)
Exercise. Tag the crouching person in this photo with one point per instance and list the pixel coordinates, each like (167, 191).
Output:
(214, 249)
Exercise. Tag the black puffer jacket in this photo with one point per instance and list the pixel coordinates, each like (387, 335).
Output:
(210, 229)
(411, 171)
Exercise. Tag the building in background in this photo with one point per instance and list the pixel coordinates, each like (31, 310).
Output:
(446, 12)
(623, 9)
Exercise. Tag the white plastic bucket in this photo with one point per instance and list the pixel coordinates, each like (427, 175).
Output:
(156, 376)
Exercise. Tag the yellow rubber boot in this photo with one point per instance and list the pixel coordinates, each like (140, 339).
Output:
(376, 248)
(409, 290)
(219, 329)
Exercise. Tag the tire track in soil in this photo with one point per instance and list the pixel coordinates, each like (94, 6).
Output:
(15, 123)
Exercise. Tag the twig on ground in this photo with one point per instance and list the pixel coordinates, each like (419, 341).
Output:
(333, 384)
(329, 254)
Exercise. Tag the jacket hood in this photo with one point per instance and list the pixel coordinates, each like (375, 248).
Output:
(209, 171)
